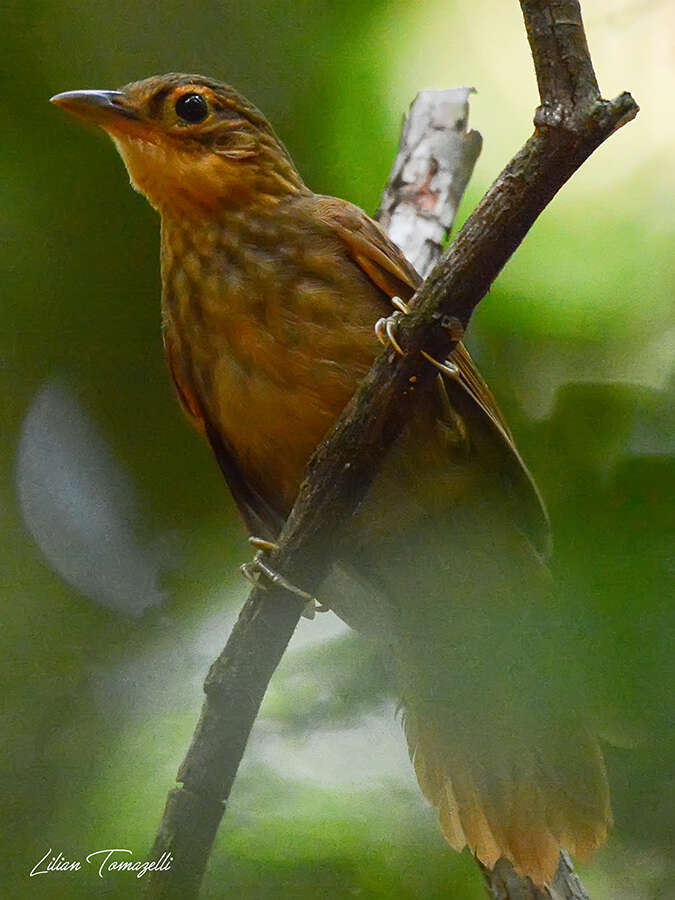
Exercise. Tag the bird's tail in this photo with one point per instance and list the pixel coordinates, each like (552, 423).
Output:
(493, 688)
(518, 796)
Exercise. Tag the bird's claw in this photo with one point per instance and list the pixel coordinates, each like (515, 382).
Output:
(252, 572)
(400, 305)
(262, 544)
(385, 331)
(312, 607)
(456, 331)
(385, 328)
(447, 367)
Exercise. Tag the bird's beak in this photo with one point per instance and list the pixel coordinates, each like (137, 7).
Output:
(108, 109)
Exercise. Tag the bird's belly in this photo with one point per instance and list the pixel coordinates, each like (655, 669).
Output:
(274, 400)
(274, 427)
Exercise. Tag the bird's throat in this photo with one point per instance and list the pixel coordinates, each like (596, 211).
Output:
(190, 182)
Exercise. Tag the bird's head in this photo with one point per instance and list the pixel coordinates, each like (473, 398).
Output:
(189, 143)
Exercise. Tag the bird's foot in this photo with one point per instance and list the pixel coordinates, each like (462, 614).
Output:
(386, 327)
(455, 330)
(252, 572)
(385, 331)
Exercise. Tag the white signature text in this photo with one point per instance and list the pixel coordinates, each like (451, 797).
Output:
(110, 860)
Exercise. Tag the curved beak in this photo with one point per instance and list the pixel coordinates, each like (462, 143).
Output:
(103, 108)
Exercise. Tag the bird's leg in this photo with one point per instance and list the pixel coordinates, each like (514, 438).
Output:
(257, 567)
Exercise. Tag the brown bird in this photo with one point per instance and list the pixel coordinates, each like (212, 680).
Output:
(270, 295)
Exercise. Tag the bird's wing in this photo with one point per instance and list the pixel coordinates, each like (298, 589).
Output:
(370, 248)
(384, 263)
(260, 518)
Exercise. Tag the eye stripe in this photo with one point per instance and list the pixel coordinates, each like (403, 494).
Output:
(157, 102)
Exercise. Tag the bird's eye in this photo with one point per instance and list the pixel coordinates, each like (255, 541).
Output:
(192, 108)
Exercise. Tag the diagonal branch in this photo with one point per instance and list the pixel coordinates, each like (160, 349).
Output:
(570, 124)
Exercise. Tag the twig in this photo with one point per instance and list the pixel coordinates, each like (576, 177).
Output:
(570, 123)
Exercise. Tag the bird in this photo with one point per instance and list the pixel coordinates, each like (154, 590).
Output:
(270, 295)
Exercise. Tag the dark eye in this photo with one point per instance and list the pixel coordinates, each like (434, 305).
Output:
(192, 108)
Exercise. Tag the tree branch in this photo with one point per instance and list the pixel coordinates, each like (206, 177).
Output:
(560, 53)
(570, 123)
(504, 884)
(429, 176)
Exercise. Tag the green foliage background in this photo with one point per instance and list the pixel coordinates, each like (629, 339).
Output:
(98, 468)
